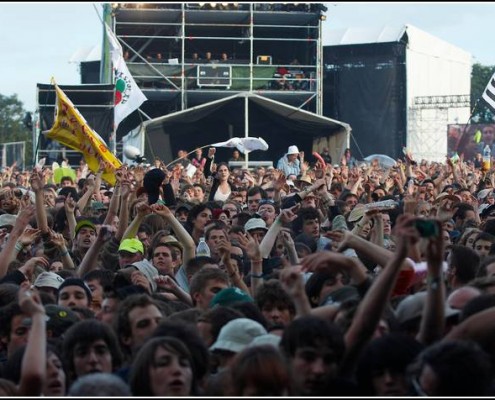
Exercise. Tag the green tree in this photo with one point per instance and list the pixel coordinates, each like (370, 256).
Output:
(480, 76)
(12, 125)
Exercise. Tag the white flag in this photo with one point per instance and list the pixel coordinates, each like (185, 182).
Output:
(128, 96)
(251, 143)
(489, 93)
(234, 142)
(245, 144)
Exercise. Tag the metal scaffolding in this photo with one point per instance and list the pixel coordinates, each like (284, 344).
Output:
(275, 51)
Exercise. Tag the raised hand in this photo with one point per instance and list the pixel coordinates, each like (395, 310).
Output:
(162, 210)
(341, 237)
(142, 209)
(25, 201)
(323, 261)
(405, 233)
(28, 268)
(166, 283)
(36, 181)
(57, 239)
(139, 173)
(29, 236)
(253, 248)
(29, 300)
(23, 218)
(138, 279)
(292, 280)
(70, 204)
(289, 214)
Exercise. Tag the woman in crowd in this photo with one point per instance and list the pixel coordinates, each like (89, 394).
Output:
(163, 367)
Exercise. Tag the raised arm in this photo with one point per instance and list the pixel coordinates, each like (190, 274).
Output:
(126, 192)
(142, 209)
(58, 240)
(70, 209)
(285, 217)
(182, 235)
(113, 207)
(371, 308)
(293, 283)
(20, 225)
(36, 182)
(90, 260)
(433, 319)
(224, 250)
(33, 369)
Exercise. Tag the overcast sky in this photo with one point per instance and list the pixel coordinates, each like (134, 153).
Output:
(38, 39)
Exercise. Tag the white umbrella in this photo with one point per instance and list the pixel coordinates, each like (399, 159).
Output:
(383, 160)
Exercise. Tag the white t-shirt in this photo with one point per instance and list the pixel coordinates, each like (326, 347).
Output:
(219, 196)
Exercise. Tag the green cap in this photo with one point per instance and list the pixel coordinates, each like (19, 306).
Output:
(229, 296)
(132, 246)
(84, 223)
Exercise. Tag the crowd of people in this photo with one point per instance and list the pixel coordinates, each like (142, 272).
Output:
(309, 279)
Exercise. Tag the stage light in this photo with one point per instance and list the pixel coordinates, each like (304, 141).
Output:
(134, 154)
(213, 5)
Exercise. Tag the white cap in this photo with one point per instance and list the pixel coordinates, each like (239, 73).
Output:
(48, 279)
(255, 223)
(293, 150)
(237, 334)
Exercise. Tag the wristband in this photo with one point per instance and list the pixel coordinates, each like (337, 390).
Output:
(260, 276)
(19, 246)
(64, 253)
(434, 283)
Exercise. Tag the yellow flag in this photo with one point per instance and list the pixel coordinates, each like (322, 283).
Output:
(71, 129)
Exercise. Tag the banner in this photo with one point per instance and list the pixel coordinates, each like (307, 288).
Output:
(128, 95)
(71, 129)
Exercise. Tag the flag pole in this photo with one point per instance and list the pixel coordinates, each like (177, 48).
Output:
(106, 68)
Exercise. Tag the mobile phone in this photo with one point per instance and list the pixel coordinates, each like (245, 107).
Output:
(427, 228)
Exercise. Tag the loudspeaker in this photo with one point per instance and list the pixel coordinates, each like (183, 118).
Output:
(214, 75)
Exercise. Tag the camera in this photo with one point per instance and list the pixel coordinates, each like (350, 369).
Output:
(427, 228)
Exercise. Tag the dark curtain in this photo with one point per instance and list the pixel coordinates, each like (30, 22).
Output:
(365, 85)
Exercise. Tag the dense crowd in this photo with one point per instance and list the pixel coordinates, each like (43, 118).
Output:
(314, 278)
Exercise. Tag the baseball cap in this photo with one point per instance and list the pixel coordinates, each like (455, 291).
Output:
(59, 319)
(292, 150)
(342, 294)
(172, 241)
(255, 223)
(412, 307)
(228, 296)
(183, 206)
(269, 338)
(84, 223)
(7, 220)
(98, 205)
(483, 193)
(237, 334)
(48, 279)
(488, 211)
(131, 245)
(148, 270)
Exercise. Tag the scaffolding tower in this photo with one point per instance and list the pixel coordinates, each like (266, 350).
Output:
(187, 54)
